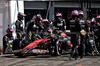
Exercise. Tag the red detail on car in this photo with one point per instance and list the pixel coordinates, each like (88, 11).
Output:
(35, 43)
(70, 45)
(40, 22)
(39, 51)
(45, 22)
(59, 45)
(63, 35)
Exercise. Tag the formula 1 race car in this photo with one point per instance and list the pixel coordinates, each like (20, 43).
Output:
(52, 45)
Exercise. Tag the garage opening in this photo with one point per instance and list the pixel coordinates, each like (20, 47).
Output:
(32, 8)
(31, 12)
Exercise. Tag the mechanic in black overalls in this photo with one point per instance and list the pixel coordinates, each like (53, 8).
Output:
(74, 27)
(19, 23)
(93, 26)
(94, 29)
(35, 26)
(39, 23)
(84, 30)
(7, 37)
(60, 22)
(29, 29)
(97, 32)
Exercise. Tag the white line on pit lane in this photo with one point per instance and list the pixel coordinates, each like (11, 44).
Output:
(6, 55)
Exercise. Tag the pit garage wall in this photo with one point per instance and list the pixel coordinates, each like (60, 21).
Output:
(4, 18)
(8, 15)
(14, 9)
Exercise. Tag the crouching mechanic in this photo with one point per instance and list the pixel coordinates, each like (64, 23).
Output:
(7, 38)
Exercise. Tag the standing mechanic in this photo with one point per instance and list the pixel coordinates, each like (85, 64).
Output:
(74, 27)
(84, 29)
(19, 23)
(60, 22)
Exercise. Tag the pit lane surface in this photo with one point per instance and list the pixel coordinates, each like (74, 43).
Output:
(47, 60)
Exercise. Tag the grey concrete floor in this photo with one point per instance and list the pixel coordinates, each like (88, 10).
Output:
(47, 60)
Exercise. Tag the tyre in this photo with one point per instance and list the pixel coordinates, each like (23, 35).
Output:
(58, 49)
(16, 44)
(18, 54)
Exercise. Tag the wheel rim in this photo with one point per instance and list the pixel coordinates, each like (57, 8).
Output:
(59, 48)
